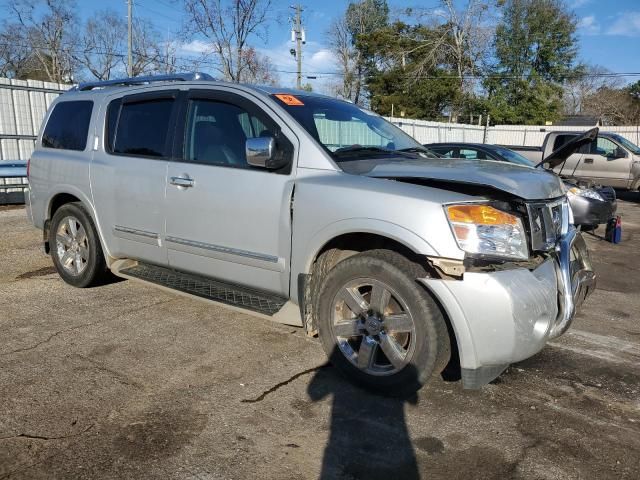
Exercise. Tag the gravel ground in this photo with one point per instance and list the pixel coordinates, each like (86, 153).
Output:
(127, 381)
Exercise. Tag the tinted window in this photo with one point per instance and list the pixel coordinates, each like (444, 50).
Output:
(68, 125)
(143, 128)
(217, 132)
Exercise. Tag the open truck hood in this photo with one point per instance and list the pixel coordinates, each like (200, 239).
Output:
(561, 154)
(521, 181)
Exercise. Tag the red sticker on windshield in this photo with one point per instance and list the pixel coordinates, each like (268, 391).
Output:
(288, 99)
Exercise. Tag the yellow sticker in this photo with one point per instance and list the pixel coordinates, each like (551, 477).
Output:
(288, 99)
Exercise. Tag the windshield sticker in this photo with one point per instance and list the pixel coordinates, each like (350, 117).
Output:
(288, 99)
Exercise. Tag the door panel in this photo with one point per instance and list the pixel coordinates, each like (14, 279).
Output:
(598, 164)
(231, 221)
(128, 178)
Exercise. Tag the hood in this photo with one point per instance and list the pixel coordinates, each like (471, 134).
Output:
(521, 181)
(561, 154)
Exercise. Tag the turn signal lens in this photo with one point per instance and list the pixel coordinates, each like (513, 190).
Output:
(480, 215)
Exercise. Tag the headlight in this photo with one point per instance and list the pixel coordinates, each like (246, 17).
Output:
(584, 192)
(485, 230)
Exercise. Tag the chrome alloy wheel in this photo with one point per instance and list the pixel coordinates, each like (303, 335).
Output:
(72, 245)
(373, 327)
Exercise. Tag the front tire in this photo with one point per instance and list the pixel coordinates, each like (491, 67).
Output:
(75, 247)
(379, 326)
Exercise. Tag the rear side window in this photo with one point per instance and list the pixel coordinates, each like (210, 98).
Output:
(142, 128)
(68, 126)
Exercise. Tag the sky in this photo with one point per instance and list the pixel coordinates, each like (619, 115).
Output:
(608, 32)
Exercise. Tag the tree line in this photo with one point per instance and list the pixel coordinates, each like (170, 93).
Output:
(514, 61)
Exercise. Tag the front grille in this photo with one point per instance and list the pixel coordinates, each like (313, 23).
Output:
(548, 221)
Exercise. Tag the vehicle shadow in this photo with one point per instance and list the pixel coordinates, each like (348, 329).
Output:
(368, 436)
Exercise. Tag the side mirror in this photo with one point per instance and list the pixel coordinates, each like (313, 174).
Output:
(261, 152)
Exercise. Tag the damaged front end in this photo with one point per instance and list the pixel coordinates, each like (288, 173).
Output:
(508, 308)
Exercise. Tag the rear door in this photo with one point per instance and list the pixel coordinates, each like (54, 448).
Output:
(224, 218)
(129, 177)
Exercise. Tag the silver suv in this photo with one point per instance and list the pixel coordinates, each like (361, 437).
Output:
(314, 212)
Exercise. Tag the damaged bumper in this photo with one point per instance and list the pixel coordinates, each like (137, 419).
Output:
(506, 316)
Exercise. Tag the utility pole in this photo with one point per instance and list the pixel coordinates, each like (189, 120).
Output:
(130, 38)
(299, 37)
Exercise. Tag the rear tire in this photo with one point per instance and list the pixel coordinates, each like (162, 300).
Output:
(75, 247)
(379, 326)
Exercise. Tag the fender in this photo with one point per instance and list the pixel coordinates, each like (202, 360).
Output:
(366, 225)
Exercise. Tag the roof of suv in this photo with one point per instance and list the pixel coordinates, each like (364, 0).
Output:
(193, 79)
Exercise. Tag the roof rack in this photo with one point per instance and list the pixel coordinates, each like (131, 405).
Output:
(176, 77)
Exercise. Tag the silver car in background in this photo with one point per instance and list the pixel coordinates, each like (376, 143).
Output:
(314, 212)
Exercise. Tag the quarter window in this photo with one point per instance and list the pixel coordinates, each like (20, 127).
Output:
(142, 128)
(68, 126)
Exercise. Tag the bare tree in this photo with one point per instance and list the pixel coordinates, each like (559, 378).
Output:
(579, 88)
(49, 31)
(228, 25)
(259, 69)
(342, 45)
(102, 45)
(466, 41)
(148, 55)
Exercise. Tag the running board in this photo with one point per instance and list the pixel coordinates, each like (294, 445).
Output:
(207, 288)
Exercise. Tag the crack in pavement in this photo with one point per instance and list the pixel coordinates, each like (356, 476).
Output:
(286, 382)
(70, 329)
(42, 437)
(32, 347)
(121, 377)
(24, 466)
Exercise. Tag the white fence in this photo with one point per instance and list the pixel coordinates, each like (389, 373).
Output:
(23, 104)
(530, 135)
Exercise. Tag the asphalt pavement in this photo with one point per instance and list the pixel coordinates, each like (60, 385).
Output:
(127, 381)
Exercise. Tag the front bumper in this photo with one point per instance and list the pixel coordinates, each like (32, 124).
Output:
(506, 316)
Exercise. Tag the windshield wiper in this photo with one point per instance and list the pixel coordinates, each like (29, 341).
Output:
(359, 149)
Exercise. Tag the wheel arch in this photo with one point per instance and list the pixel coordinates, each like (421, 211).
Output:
(62, 197)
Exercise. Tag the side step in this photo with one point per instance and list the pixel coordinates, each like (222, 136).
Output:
(216, 290)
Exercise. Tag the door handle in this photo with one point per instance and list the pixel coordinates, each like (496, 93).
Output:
(588, 160)
(182, 182)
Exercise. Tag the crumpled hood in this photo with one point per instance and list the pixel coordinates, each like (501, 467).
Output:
(524, 182)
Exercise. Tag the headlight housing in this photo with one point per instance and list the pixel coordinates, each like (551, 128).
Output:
(484, 230)
(584, 192)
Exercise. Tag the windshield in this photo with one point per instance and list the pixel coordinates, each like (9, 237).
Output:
(514, 157)
(627, 144)
(348, 131)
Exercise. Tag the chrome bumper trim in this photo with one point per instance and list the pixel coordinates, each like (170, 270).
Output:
(573, 286)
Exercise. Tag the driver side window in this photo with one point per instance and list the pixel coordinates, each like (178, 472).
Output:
(604, 146)
(217, 132)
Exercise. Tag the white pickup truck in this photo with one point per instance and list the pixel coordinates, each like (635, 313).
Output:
(610, 160)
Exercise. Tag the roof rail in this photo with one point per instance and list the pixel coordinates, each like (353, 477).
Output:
(174, 77)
